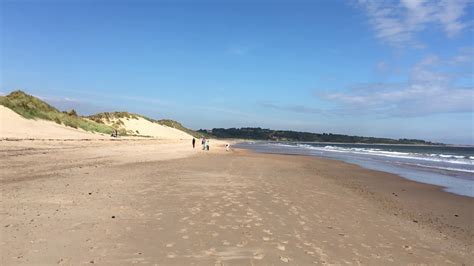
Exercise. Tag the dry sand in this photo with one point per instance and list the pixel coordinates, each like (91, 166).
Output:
(161, 202)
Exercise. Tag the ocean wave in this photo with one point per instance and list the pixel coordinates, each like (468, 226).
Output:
(444, 158)
(441, 167)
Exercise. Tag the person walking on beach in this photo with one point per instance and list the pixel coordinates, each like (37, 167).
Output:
(203, 143)
(207, 144)
(194, 142)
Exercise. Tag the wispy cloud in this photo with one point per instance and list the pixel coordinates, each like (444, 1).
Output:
(465, 56)
(97, 96)
(235, 50)
(292, 108)
(431, 89)
(82, 106)
(241, 49)
(397, 22)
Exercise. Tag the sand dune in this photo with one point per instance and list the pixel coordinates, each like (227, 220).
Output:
(14, 126)
(143, 127)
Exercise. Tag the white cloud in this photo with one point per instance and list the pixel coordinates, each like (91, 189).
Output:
(397, 22)
(293, 108)
(465, 56)
(431, 89)
(242, 49)
(236, 50)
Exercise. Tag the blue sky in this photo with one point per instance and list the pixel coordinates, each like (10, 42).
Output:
(401, 69)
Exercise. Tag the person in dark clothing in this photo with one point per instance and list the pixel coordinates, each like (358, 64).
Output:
(194, 143)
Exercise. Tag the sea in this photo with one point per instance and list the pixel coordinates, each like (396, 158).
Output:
(450, 167)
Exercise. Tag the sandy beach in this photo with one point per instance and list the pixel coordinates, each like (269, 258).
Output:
(162, 203)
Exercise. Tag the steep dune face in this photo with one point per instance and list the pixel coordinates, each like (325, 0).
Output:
(139, 126)
(14, 126)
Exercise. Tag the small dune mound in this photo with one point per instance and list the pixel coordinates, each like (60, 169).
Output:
(137, 125)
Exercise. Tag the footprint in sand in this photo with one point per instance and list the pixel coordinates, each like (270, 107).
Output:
(258, 255)
(241, 244)
(406, 247)
(284, 259)
(267, 231)
(265, 238)
(169, 245)
(281, 247)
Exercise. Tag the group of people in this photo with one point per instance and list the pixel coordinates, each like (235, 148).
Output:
(205, 144)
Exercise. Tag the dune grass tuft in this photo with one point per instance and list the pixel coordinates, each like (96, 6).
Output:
(31, 107)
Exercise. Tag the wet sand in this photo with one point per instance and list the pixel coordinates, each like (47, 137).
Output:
(160, 202)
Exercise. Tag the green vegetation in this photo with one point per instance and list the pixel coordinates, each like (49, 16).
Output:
(110, 116)
(113, 117)
(179, 126)
(285, 135)
(31, 107)
(27, 105)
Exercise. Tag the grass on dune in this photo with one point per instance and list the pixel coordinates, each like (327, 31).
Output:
(114, 116)
(31, 108)
(179, 126)
(111, 116)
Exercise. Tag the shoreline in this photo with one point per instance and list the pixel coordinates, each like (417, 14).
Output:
(391, 186)
(104, 202)
(453, 178)
(441, 188)
(353, 143)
